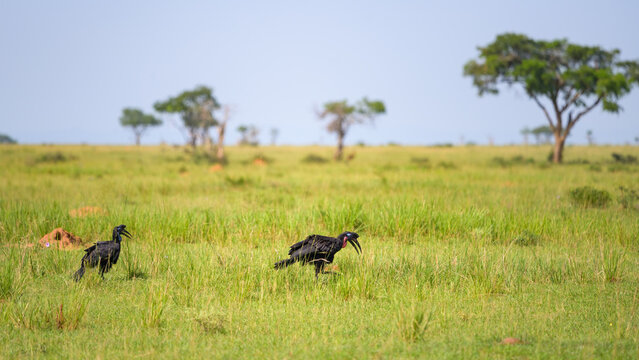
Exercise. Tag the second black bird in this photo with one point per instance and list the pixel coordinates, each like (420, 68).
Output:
(319, 250)
(103, 253)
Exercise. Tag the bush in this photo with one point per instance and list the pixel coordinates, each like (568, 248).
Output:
(515, 160)
(420, 161)
(588, 196)
(628, 198)
(624, 159)
(526, 238)
(447, 165)
(314, 159)
(53, 157)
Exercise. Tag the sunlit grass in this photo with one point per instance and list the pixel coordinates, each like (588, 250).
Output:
(455, 258)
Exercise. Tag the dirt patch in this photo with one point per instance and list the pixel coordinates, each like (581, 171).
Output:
(60, 239)
(512, 341)
(216, 168)
(87, 211)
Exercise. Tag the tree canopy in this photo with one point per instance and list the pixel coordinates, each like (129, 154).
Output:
(195, 107)
(565, 80)
(6, 139)
(138, 121)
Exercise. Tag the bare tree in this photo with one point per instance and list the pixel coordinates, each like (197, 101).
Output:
(221, 130)
(525, 132)
(274, 133)
(590, 138)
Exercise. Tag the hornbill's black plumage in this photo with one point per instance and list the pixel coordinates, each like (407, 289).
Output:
(319, 250)
(103, 253)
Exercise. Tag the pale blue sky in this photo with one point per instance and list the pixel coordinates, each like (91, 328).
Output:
(67, 68)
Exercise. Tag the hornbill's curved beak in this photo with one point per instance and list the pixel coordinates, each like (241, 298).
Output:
(354, 241)
(126, 233)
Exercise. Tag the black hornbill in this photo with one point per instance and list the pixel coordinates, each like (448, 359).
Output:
(103, 253)
(319, 250)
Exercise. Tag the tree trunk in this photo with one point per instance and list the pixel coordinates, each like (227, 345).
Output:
(207, 141)
(137, 139)
(340, 146)
(220, 141)
(558, 149)
(193, 139)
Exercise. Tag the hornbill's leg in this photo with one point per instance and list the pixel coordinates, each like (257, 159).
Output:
(319, 268)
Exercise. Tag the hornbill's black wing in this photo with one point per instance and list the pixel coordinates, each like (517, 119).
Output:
(108, 249)
(313, 245)
(90, 249)
(102, 250)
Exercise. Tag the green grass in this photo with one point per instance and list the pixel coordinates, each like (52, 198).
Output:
(460, 251)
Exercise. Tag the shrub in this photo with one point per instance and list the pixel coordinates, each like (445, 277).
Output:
(526, 238)
(314, 159)
(595, 167)
(420, 161)
(588, 196)
(515, 160)
(628, 198)
(53, 157)
(447, 165)
(624, 159)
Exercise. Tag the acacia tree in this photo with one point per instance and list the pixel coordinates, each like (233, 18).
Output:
(342, 116)
(138, 121)
(525, 132)
(243, 130)
(542, 134)
(565, 80)
(195, 107)
(274, 133)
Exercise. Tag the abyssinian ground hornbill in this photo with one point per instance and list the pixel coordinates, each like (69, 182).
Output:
(319, 250)
(103, 253)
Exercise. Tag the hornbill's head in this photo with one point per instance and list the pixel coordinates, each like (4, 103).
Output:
(120, 230)
(350, 237)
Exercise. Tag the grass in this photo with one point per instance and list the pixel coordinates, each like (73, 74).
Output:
(459, 252)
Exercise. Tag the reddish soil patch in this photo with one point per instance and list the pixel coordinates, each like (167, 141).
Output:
(216, 167)
(512, 341)
(87, 211)
(60, 239)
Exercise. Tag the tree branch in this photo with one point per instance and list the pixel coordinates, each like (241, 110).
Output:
(552, 126)
(573, 121)
(571, 101)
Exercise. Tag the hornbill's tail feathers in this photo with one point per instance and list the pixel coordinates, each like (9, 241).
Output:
(78, 274)
(284, 263)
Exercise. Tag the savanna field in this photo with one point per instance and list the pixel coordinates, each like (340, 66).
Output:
(462, 248)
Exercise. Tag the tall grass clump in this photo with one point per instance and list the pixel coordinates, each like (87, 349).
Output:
(412, 324)
(628, 198)
(612, 264)
(588, 196)
(133, 265)
(12, 280)
(156, 302)
(46, 314)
